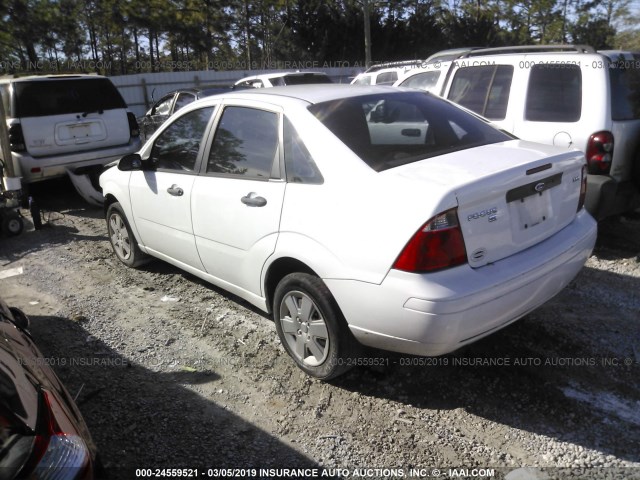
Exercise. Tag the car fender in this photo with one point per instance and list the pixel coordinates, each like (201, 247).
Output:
(115, 188)
(308, 251)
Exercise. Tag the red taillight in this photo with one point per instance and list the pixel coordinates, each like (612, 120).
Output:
(600, 153)
(16, 138)
(437, 245)
(134, 128)
(583, 188)
(56, 453)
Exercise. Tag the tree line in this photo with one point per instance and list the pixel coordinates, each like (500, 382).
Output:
(118, 37)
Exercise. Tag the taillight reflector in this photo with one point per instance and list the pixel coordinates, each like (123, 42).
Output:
(16, 138)
(600, 153)
(583, 188)
(437, 245)
(134, 128)
(57, 454)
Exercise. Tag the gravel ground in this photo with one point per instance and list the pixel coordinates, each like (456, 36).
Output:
(170, 372)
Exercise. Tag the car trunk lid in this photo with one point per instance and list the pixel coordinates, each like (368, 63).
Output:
(510, 195)
(70, 115)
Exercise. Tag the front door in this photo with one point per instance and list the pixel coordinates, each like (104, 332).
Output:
(161, 198)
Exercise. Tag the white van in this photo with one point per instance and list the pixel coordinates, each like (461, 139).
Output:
(60, 123)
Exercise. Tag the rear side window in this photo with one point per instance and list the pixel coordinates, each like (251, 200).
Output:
(59, 97)
(483, 89)
(554, 93)
(393, 129)
(183, 100)
(298, 162)
(624, 77)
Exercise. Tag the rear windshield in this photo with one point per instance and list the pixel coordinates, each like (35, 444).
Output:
(392, 129)
(59, 97)
(555, 93)
(624, 76)
(305, 79)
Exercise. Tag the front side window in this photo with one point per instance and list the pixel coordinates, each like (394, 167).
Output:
(423, 81)
(177, 147)
(363, 80)
(163, 107)
(554, 94)
(245, 143)
(393, 129)
(483, 89)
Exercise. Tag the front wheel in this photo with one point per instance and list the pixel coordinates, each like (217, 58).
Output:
(311, 327)
(121, 237)
(12, 225)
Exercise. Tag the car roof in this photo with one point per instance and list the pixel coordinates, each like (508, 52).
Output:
(279, 74)
(209, 89)
(45, 78)
(312, 93)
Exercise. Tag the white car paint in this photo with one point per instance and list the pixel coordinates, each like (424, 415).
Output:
(350, 229)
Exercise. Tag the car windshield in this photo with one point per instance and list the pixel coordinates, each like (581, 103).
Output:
(58, 97)
(392, 129)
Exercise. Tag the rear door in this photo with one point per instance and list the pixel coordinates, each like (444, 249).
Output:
(237, 202)
(553, 105)
(485, 88)
(64, 115)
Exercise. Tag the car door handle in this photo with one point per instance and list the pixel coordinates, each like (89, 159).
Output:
(175, 190)
(253, 200)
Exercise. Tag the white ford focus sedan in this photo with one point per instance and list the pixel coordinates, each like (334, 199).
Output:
(355, 216)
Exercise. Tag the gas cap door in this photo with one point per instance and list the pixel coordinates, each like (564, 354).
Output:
(563, 139)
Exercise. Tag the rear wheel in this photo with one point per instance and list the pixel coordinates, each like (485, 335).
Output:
(311, 327)
(121, 237)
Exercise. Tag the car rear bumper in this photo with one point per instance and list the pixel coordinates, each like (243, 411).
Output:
(606, 196)
(434, 314)
(36, 169)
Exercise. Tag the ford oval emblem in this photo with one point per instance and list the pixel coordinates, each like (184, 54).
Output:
(539, 187)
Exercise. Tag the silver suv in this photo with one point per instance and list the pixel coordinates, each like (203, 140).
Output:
(566, 95)
(59, 123)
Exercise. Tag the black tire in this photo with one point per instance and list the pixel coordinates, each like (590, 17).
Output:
(316, 335)
(12, 224)
(123, 242)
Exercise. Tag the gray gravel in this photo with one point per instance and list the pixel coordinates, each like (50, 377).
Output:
(171, 372)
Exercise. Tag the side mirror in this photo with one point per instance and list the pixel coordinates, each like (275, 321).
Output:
(130, 162)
